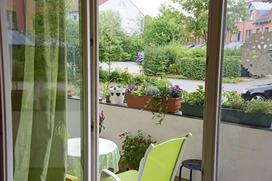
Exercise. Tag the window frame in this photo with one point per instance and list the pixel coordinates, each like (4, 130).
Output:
(6, 164)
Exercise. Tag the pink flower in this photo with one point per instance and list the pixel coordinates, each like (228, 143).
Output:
(132, 147)
(101, 117)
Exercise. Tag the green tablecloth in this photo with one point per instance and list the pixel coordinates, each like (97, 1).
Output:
(109, 156)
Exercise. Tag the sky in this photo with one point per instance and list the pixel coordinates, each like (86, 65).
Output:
(150, 7)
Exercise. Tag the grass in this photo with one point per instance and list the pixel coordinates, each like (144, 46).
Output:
(232, 80)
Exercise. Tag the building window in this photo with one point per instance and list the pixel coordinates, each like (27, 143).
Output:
(203, 40)
(230, 37)
(251, 15)
(257, 30)
(238, 36)
(239, 20)
(12, 22)
(248, 34)
(198, 40)
(266, 29)
(75, 17)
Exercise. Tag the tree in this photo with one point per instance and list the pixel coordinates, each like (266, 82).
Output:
(197, 11)
(111, 35)
(163, 29)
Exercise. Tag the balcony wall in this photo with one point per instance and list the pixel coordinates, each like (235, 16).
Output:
(245, 151)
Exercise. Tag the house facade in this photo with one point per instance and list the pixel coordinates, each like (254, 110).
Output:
(260, 16)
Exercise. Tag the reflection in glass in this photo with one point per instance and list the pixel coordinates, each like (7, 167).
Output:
(45, 59)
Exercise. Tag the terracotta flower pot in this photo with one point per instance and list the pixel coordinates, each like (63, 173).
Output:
(173, 104)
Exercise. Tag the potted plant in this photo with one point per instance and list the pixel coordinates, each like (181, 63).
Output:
(133, 149)
(159, 97)
(101, 122)
(192, 103)
(254, 112)
(117, 95)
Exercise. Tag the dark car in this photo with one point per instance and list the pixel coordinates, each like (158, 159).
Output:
(258, 92)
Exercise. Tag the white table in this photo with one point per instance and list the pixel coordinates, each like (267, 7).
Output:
(109, 155)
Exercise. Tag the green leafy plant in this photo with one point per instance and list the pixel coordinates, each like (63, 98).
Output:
(133, 149)
(229, 97)
(194, 98)
(259, 106)
(239, 104)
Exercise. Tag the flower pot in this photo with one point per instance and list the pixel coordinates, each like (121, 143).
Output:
(192, 110)
(117, 95)
(173, 104)
(240, 117)
(108, 99)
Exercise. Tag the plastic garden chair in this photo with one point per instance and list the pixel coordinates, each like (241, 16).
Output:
(160, 162)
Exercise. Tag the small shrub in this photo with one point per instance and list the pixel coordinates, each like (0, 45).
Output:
(103, 75)
(133, 149)
(237, 104)
(195, 98)
(151, 90)
(259, 106)
(229, 97)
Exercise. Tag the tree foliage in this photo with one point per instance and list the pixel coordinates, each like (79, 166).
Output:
(163, 29)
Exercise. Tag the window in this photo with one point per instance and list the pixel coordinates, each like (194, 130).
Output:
(12, 23)
(239, 20)
(238, 36)
(248, 34)
(251, 14)
(75, 17)
(257, 30)
(203, 40)
(266, 29)
(230, 37)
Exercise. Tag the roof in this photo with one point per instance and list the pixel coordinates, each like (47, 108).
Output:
(100, 2)
(18, 37)
(235, 44)
(264, 18)
(261, 6)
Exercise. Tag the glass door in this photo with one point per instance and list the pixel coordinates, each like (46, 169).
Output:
(246, 106)
(50, 119)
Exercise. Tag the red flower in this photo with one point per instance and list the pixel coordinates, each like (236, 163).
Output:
(139, 141)
(122, 135)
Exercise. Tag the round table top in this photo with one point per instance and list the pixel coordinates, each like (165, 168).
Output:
(105, 146)
(109, 155)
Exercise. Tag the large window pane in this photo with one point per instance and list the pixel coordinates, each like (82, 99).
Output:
(245, 129)
(46, 63)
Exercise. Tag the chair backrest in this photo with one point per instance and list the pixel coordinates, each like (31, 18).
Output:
(162, 159)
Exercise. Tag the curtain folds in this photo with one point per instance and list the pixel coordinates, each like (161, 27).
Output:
(40, 148)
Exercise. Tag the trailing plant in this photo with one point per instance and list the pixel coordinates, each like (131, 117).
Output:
(259, 106)
(194, 98)
(133, 149)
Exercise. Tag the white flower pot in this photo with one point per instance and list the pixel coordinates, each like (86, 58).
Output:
(117, 95)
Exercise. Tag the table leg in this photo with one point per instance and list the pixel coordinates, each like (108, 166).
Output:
(191, 174)
(180, 172)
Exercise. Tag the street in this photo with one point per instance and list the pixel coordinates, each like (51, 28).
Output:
(191, 85)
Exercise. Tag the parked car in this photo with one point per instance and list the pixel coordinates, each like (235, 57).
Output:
(258, 92)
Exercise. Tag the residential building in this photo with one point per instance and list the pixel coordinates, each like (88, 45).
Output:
(260, 16)
(126, 8)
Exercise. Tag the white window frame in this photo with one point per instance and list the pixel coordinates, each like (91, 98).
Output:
(90, 104)
(215, 47)
(6, 165)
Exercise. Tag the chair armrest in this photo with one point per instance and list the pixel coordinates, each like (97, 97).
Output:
(115, 177)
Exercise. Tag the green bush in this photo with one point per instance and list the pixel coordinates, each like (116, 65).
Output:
(232, 52)
(194, 98)
(103, 75)
(193, 67)
(232, 67)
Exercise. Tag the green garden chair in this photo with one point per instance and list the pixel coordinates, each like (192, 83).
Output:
(160, 162)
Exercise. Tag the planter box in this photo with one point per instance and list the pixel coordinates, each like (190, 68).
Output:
(140, 102)
(252, 119)
(191, 110)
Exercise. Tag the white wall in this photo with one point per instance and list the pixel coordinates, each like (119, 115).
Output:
(245, 152)
(127, 10)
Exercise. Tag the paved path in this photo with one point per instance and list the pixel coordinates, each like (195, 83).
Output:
(191, 85)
